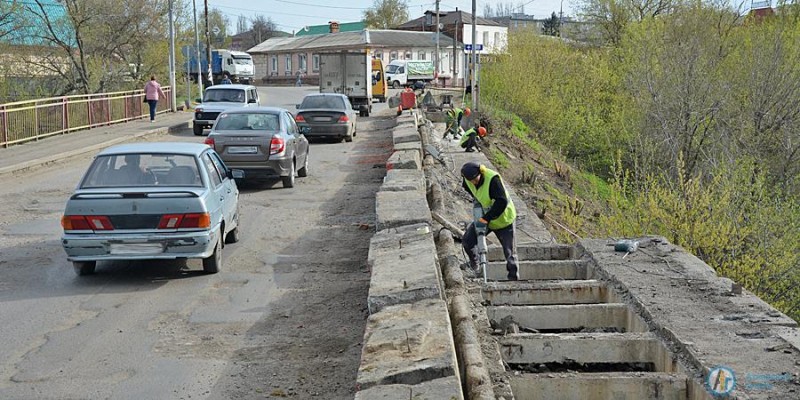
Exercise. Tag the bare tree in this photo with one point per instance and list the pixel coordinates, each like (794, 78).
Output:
(241, 24)
(261, 29)
(386, 14)
(612, 16)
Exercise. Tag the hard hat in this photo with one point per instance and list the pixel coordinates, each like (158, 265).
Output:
(467, 111)
(481, 131)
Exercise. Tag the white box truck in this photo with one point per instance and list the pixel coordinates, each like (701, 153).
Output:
(350, 74)
(406, 72)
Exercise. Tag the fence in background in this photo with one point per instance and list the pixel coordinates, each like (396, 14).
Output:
(24, 121)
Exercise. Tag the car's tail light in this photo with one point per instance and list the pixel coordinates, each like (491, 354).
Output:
(209, 141)
(194, 220)
(86, 222)
(344, 119)
(277, 145)
(299, 118)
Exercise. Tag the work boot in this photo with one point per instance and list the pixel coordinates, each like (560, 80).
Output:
(513, 274)
(470, 150)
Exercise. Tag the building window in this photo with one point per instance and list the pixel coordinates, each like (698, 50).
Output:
(485, 39)
(496, 39)
(274, 68)
(302, 62)
(288, 67)
(421, 55)
(393, 56)
(315, 62)
(408, 55)
(379, 56)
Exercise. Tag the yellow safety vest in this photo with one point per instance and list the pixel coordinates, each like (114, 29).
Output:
(482, 195)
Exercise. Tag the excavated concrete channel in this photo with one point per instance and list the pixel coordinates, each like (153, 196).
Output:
(583, 322)
(572, 337)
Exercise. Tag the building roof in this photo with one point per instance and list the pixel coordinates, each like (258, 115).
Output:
(448, 18)
(321, 29)
(377, 38)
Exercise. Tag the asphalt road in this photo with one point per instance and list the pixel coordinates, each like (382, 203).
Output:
(284, 317)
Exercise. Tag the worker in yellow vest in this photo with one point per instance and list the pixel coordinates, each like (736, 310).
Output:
(499, 214)
(469, 140)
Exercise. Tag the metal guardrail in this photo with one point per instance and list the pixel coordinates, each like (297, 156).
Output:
(24, 121)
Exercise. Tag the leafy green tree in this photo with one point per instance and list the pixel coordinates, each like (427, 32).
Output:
(552, 26)
(386, 14)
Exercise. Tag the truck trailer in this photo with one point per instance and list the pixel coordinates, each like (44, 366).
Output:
(238, 65)
(348, 73)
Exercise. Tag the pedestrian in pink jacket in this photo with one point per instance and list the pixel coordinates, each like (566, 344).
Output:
(153, 92)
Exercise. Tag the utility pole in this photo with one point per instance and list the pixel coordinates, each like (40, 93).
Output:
(208, 49)
(172, 94)
(472, 69)
(560, 17)
(197, 49)
(455, 55)
(436, 57)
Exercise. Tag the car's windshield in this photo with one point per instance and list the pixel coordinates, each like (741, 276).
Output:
(243, 61)
(142, 170)
(255, 121)
(330, 102)
(392, 69)
(226, 95)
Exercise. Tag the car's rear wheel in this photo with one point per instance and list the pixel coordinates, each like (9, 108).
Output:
(213, 263)
(198, 130)
(83, 268)
(288, 181)
(303, 172)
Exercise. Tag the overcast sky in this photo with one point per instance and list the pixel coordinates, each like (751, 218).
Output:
(291, 15)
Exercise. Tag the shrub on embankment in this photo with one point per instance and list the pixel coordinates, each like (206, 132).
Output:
(693, 121)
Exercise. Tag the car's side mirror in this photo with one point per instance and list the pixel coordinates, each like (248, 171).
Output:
(235, 174)
(252, 101)
(305, 130)
(297, 106)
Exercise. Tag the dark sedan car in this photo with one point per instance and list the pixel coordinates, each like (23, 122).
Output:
(152, 201)
(329, 115)
(265, 142)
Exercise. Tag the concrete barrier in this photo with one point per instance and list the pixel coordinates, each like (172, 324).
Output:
(408, 349)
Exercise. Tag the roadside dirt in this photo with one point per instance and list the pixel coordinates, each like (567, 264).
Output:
(309, 344)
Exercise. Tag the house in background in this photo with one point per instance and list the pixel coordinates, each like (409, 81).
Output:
(245, 40)
(332, 27)
(278, 60)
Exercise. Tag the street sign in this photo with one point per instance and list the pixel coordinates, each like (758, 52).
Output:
(468, 47)
(215, 30)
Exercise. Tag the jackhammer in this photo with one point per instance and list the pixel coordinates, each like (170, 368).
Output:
(480, 231)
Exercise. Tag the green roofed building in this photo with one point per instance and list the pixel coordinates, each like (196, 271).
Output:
(332, 27)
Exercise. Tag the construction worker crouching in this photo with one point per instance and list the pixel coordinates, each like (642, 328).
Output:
(454, 117)
(469, 140)
(499, 214)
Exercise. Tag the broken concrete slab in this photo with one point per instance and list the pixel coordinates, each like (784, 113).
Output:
(416, 146)
(403, 179)
(541, 270)
(405, 134)
(404, 159)
(600, 386)
(395, 209)
(535, 252)
(407, 344)
(403, 264)
(693, 311)
(571, 317)
(546, 293)
(448, 388)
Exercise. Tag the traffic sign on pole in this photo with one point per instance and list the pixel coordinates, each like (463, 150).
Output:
(478, 47)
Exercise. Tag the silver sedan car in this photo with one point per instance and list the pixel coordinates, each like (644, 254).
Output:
(152, 201)
(265, 142)
(328, 115)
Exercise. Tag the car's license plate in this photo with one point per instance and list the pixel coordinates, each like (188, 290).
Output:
(136, 248)
(322, 119)
(242, 150)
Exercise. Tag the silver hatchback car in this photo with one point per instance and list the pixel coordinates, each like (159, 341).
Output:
(263, 141)
(152, 201)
